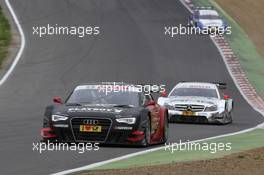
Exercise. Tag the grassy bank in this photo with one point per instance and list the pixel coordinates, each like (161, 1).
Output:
(5, 36)
(246, 141)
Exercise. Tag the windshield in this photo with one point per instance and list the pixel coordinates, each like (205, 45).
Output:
(94, 96)
(209, 17)
(197, 92)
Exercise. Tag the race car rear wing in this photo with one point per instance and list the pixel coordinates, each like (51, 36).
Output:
(220, 85)
(204, 8)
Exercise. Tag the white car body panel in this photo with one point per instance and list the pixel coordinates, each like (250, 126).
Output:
(212, 22)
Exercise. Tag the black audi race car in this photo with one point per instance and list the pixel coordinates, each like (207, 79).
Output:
(93, 113)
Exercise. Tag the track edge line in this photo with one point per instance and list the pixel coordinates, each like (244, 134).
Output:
(22, 44)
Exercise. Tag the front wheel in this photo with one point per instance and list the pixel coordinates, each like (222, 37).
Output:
(228, 119)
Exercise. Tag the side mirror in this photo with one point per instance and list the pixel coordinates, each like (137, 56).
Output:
(164, 94)
(57, 100)
(151, 103)
(226, 97)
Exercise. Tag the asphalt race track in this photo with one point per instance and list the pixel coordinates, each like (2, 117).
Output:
(131, 47)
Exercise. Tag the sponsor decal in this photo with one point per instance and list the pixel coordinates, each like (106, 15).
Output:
(88, 109)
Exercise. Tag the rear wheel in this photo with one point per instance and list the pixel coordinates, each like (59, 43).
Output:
(165, 129)
(146, 140)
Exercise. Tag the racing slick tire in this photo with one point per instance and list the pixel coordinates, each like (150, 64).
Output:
(228, 119)
(165, 129)
(146, 140)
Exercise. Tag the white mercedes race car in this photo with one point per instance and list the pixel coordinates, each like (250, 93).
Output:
(196, 102)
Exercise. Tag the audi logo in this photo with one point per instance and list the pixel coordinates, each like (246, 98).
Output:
(90, 122)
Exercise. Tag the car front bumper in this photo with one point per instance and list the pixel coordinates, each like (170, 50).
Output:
(116, 135)
(197, 117)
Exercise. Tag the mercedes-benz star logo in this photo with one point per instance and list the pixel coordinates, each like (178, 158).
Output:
(189, 108)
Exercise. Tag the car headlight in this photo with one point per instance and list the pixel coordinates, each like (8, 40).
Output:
(130, 120)
(56, 118)
(169, 106)
(211, 108)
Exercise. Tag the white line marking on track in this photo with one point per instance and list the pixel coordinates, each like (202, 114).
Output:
(22, 44)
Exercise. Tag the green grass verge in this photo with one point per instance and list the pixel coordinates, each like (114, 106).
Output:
(5, 36)
(239, 142)
(251, 61)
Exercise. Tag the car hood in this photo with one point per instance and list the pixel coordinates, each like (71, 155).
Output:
(211, 22)
(96, 110)
(191, 101)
